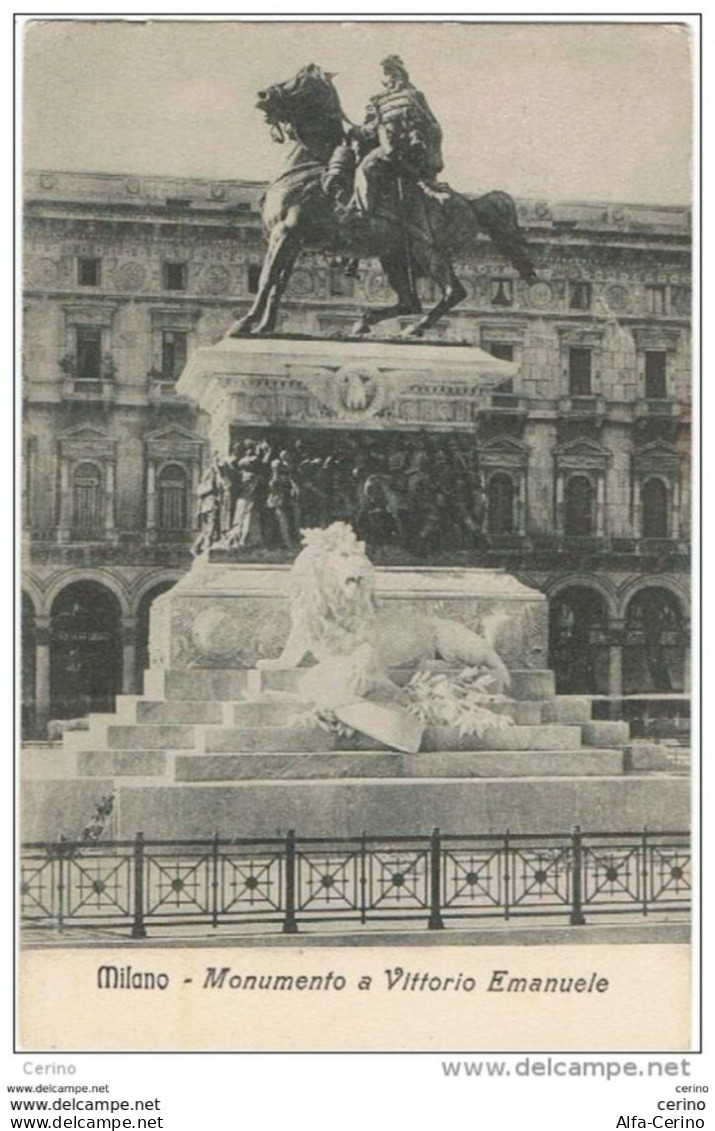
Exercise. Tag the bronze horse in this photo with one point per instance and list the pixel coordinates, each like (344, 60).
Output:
(411, 235)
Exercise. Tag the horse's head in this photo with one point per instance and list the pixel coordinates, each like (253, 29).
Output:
(305, 107)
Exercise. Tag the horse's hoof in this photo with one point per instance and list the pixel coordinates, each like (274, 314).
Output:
(415, 331)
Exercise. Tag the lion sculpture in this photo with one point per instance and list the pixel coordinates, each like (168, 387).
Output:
(336, 618)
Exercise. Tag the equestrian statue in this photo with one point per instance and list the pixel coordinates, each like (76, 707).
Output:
(370, 191)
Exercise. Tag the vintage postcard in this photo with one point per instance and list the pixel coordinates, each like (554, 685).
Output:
(357, 511)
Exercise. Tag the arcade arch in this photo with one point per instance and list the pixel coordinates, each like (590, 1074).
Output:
(28, 661)
(578, 641)
(655, 643)
(142, 625)
(85, 650)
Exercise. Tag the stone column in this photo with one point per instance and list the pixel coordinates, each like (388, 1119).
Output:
(192, 501)
(637, 510)
(521, 505)
(109, 501)
(42, 673)
(600, 505)
(675, 508)
(129, 656)
(151, 501)
(28, 483)
(559, 502)
(65, 517)
(686, 662)
(616, 639)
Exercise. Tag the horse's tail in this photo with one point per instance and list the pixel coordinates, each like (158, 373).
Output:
(495, 214)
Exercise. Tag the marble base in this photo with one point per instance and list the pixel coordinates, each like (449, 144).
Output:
(230, 615)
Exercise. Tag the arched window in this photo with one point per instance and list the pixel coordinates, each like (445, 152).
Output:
(654, 496)
(500, 515)
(578, 644)
(654, 653)
(85, 650)
(87, 510)
(579, 510)
(172, 498)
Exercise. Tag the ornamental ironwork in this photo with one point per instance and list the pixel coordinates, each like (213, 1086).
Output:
(283, 882)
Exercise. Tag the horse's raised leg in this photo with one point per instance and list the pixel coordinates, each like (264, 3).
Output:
(453, 292)
(398, 276)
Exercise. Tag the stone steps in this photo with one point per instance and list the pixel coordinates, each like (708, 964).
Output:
(292, 737)
(234, 683)
(238, 749)
(181, 767)
(197, 683)
(606, 732)
(566, 709)
(281, 724)
(188, 711)
(390, 764)
(133, 709)
(125, 764)
(167, 736)
(230, 740)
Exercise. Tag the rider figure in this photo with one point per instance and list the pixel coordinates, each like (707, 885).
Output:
(400, 138)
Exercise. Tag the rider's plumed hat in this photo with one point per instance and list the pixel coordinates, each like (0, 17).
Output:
(394, 63)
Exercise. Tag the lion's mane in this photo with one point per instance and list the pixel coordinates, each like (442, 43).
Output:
(326, 617)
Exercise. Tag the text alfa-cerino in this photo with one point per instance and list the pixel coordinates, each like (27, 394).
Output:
(393, 979)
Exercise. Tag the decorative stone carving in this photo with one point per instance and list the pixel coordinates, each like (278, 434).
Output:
(361, 390)
(131, 276)
(540, 295)
(301, 284)
(311, 381)
(617, 298)
(217, 280)
(44, 272)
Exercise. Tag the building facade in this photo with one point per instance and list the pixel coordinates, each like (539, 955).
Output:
(585, 459)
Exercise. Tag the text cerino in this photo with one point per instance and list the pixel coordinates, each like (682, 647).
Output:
(662, 1122)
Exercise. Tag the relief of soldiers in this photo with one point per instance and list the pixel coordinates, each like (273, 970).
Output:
(208, 508)
(284, 499)
(411, 493)
(250, 468)
(229, 483)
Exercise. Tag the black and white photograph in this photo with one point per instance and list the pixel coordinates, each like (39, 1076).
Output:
(357, 503)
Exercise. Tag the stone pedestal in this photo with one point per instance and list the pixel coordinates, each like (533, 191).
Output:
(322, 384)
(227, 615)
(209, 748)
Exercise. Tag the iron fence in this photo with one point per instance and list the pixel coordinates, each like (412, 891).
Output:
(438, 880)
